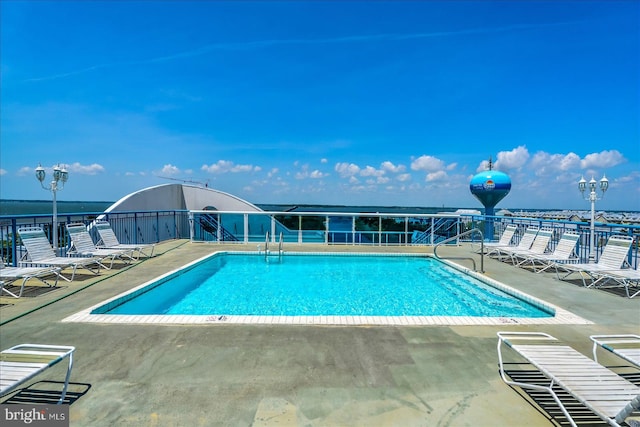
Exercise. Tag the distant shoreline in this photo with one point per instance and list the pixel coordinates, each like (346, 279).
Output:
(38, 207)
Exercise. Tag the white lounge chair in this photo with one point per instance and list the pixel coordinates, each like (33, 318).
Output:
(12, 274)
(82, 245)
(505, 240)
(565, 252)
(621, 278)
(625, 346)
(608, 395)
(613, 257)
(22, 362)
(109, 240)
(525, 243)
(538, 247)
(41, 253)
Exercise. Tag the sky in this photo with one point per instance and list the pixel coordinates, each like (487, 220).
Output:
(323, 102)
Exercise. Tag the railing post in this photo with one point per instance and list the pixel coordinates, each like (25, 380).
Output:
(14, 247)
(353, 229)
(406, 231)
(245, 225)
(433, 226)
(191, 229)
(326, 229)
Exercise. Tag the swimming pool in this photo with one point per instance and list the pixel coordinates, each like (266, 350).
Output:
(322, 289)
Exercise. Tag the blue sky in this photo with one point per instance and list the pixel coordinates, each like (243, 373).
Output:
(323, 102)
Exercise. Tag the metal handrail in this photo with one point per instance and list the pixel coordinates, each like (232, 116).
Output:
(266, 247)
(464, 233)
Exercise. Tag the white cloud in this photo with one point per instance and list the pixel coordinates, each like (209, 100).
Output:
(436, 176)
(371, 171)
(603, 159)
(316, 174)
(3, 172)
(324, 161)
(633, 176)
(169, 170)
(512, 160)
(92, 169)
(224, 166)
(346, 170)
(390, 167)
(403, 177)
(427, 163)
(544, 163)
(25, 170)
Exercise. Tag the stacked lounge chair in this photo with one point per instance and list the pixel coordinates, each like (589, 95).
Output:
(565, 252)
(538, 247)
(109, 240)
(502, 253)
(613, 258)
(504, 242)
(40, 253)
(82, 244)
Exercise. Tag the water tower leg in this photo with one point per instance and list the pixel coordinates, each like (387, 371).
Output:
(488, 224)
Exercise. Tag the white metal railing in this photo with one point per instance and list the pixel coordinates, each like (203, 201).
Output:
(374, 229)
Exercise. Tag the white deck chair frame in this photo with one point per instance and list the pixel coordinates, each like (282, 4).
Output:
(538, 247)
(22, 362)
(109, 240)
(505, 240)
(82, 245)
(502, 253)
(565, 252)
(613, 257)
(13, 274)
(625, 346)
(41, 253)
(622, 278)
(611, 397)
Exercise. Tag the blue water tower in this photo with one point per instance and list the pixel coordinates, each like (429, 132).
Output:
(490, 187)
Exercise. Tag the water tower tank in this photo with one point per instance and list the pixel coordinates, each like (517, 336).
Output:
(490, 187)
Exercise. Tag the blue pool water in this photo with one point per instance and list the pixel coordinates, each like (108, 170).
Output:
(314, 285)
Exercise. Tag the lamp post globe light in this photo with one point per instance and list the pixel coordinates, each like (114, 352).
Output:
(582, 186)
(60, 177)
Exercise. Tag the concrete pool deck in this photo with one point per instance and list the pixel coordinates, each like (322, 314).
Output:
(290, 375)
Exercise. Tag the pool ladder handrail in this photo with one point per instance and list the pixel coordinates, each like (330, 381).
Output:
(464, 233)
(267, 252)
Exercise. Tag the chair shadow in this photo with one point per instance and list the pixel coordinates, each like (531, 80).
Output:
(545, 404)
(39, 394)
(32, 291)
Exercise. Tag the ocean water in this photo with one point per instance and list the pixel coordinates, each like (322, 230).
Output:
(35, 207)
